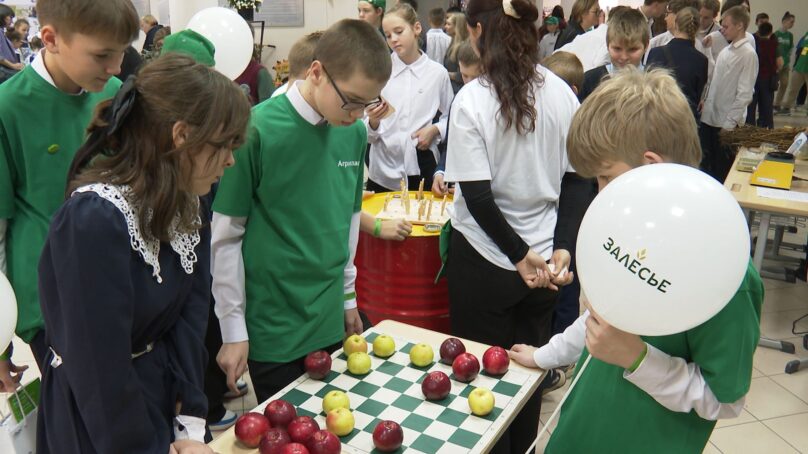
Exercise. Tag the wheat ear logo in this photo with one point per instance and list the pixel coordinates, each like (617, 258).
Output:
(636, 267)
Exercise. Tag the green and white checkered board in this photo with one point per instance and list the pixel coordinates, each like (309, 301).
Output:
(392, 391)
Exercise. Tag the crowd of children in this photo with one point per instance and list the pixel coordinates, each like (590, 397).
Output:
(162, 237)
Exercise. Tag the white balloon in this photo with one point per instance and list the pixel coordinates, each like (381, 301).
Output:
(230, 35)
(8, 312)
(662, 249)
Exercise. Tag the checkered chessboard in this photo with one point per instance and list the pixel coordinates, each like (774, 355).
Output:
(392, 391)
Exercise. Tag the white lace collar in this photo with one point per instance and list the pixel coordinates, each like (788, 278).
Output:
(184, 244)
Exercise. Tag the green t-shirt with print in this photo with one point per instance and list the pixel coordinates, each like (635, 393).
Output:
(785, 44)
(299, 185)
(607, 414)
(41, 128)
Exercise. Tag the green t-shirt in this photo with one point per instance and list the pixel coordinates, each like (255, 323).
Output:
(785, 44)
(608, 414)
(41, 128)
(299, 185)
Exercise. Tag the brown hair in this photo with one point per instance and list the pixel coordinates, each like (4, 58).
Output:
(509, 53)
(437, 16)
(579, 8)
(19, 22)
(627, 25)
(687, 22)
(159, 36)
(712, 5)
(467, 55)
(302, 54)
(674, 6)
(406, 12)
(628, 114)
(729, 4)
(36, 43)
(739, 15)
(13, 35)
(115, 20)
(141, 152)
(461, 35)
(566, 66)
(351, 45)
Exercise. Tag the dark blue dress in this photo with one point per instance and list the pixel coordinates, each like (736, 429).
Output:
(102, 304)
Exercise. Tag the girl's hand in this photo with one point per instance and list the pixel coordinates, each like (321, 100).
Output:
(425, 136)
(377, 114)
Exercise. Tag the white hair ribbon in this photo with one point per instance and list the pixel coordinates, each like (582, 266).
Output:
(509, 10)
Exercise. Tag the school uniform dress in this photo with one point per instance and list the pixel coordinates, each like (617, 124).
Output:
(437, 42)
(671, 402)
(730, 92)
(665, 38)
(417, 91)
(689, 67)
(125, 317)
(283, 272)
(39, 139)
(488, 300)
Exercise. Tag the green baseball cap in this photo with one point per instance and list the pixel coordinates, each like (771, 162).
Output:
(377, 3)
(191, 43)
(552, 20)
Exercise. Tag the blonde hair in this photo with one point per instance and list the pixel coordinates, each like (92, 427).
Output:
(687, 22)
(149, 19)
(461, 35)
(628, 114)
(566, 66)
(579, 8)
(739, 15)
(406, 12)
(627, 25)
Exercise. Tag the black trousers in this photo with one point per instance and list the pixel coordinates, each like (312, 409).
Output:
(763, 103)
(716, 160)
(492, 305)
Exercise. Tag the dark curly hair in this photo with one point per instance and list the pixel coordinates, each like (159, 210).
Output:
(509, 52)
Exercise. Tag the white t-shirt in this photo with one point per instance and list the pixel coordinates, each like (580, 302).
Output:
(525, 170)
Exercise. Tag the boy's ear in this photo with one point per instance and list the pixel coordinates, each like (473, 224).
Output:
(574, 89)
(650, 157)
(48, 35)
(315, 72)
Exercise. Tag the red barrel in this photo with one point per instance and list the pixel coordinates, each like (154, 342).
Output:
(396, 280)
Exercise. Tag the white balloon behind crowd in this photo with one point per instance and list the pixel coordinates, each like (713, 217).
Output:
(230, 35)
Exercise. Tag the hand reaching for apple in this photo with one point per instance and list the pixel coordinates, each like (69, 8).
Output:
(232, 359)
(523, 354)
(609, 344)
(353, 323)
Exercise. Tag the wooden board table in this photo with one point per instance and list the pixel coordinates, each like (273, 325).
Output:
(392, 391)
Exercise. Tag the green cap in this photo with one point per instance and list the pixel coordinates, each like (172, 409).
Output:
(190, 43)
(552, 20)
(377, 3)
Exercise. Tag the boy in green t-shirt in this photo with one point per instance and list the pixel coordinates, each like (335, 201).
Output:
(785, 44)
(286, 216)
(659, 394)
(44, 111)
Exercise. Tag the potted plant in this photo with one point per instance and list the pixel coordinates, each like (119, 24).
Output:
(246, 8)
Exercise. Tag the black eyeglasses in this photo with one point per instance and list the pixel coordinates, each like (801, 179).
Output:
(350, 106)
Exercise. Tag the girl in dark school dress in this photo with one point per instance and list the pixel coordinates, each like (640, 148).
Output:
(125, 275)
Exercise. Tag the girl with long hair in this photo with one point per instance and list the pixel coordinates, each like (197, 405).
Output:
(456, 28)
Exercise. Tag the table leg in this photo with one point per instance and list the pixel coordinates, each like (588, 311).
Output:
(763, 236)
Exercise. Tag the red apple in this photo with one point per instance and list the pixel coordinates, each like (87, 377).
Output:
(388, 436)
(250, 427)
(324, 442)
(294, 448)
(496, 361)
(465, 367)
(436, 385)
(301, 428)
(318, 364)
(273, 441)
(280, 413)
(450, 348)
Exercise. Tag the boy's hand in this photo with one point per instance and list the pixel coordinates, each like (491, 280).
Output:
(535, 272)
(353, 323)
(190, 447)
(10, 376)
(376, 114)
(425, 136)
(439, 186)
(523, 354)
(232, 359)
(395, 229)
(561, 265)
(610, 344)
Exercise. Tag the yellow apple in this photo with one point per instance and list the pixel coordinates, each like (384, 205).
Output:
(354, 343)
(340, 422)
(384, 346)
(421, 355)
(481, 401)
(359, 363)
(335, 399)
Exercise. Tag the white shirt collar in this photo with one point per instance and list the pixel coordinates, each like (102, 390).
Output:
(399, 66)
(740, 42)
(301, 105)
(39, 66)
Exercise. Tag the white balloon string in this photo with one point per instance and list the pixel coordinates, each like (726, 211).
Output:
(560, 404)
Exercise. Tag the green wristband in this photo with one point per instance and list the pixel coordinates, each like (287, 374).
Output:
(639, 359)
(377, 227)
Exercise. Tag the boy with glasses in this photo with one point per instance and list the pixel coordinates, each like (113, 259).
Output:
(286, 217)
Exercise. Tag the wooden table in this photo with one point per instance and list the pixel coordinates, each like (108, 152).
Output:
(226, 443)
